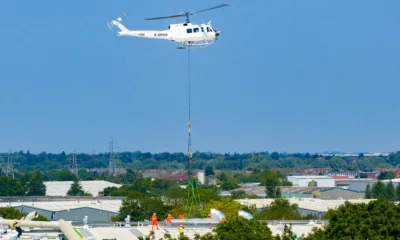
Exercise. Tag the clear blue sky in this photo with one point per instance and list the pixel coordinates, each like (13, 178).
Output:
(289, 76)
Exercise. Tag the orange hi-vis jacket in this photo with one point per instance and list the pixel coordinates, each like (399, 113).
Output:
(154, 219)
(169, 219)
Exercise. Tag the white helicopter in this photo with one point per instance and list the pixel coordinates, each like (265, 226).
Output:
(190, 35)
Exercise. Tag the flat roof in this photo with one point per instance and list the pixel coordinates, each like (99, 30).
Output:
(105, 205)
(311, 176)
(313, 204)
(60, 188)
(395, 180)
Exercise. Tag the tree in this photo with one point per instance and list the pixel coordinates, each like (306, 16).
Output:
(378, 190)
(275, 155)
(229, 186)
(287, 234)
(41, 218)
(108, 190)
(76, 189)
(209, 171)
(241, 228)
(271, 182)
(141, 207)
(10, 213)
(36, 186)
(390, 191)
(10, 187)
(280, 209)
(222, 177)
(278, 192)
(368, 194)
(363, 175)
(379, 219)
(129, 177)
(398, 192)
(386, 175)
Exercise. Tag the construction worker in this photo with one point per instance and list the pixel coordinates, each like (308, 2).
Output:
(223, 220)
(154, 221)
(14, 225)
(182, 216)
(181, 229)
(209, 217)
(169, 220)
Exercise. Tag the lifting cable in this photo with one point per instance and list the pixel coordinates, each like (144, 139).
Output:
(189, 121)
(193, 192)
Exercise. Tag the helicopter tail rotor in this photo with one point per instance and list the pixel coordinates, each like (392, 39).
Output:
(116, 22)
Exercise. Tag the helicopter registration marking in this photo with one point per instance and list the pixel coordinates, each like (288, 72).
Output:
(160, 34)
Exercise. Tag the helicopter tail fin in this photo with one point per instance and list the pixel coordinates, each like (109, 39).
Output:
(117, 23)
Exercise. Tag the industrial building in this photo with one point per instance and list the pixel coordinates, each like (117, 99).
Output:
(335, 193)
(361, 184)
(98, 211)
(60, 188)
(312, 181)
(306, 206)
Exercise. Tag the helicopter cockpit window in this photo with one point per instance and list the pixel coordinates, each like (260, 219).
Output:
(189, 30)
(196, 30)
(209, 29)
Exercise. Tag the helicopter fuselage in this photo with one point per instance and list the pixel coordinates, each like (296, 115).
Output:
(182, 32)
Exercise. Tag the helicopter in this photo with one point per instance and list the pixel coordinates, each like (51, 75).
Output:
(187, 34)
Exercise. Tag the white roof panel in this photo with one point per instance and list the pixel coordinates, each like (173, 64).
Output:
(60, 188)
(305, 203)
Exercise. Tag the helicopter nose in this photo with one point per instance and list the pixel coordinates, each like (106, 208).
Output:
(217, 33)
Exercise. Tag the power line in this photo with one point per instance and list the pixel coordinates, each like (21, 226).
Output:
(111, 162)
(10, 165)
(74, 165)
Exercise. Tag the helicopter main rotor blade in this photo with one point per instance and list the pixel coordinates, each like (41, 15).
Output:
(187, 14)
(171, 16)
(207, 9)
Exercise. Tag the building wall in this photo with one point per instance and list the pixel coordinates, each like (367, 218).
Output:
(360, 185)
(292, 195)
(338, 193)
(304, 182)
(94, 215)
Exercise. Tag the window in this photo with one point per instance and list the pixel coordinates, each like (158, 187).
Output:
(189, 30)
(202, 29)
(196, 30)
(209, 29)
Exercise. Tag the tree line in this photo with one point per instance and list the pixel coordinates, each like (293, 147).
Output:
(379, 190)
(235, 161)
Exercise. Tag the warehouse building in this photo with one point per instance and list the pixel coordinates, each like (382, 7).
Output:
(312, 181)
(316, 207)
(60, 188)
(98, 211)
(361, 184)
(335, 193)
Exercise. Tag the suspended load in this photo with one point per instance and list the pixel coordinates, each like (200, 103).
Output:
(245, 214)
(217, 214)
